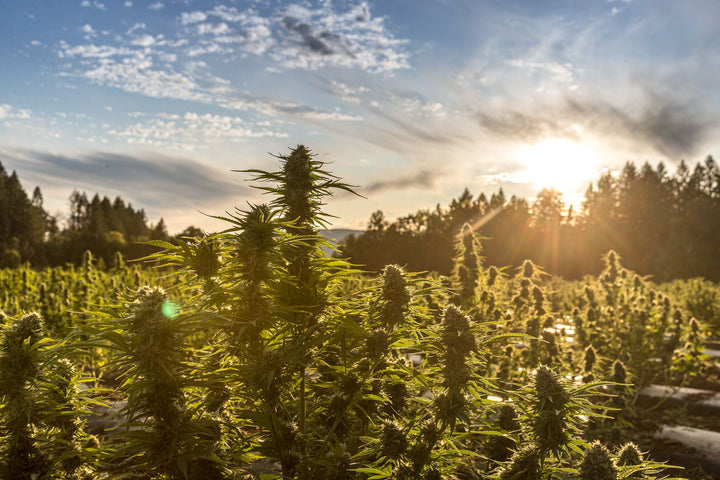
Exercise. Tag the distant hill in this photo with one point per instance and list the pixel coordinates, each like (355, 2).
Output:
(337, 235)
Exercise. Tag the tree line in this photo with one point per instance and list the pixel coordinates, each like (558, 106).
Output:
(28, 233)
(662, 224)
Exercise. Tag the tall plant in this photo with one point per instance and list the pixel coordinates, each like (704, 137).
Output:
(41, 430)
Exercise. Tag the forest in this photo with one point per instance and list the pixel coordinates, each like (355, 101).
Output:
(664, 225)
(30, 234)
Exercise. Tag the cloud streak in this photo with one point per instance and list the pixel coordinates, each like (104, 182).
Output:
(189, 130)
(166, 183)
(152, 73)
(422, 179)
(669, 126)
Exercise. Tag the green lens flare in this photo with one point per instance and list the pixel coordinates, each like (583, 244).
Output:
(170, 309)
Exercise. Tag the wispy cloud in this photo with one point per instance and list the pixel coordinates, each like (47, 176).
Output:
(423, 179)
(135, 74)
(312, 38)
(137, 26)
(346, 92)
(91, 51)
(146, 40)
(94, 3)
(167, 183)
(89, 31)
(190, 130)
(187, 18)
(8, 113)
(558, 73)
(298, 36)
(151, 74)
(668, 126)
(294, 36)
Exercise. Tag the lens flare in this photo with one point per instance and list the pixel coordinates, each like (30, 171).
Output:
(170, 309)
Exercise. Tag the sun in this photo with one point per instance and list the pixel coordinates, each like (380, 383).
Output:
(562, 164)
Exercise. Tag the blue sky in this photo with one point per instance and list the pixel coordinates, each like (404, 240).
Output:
(411, 100)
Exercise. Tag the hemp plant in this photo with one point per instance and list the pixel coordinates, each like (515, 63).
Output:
(458, 343)
(299, 291)
(265, 297)
(468, 265)
(41, 429)
(165, 436)
(597, 464)
(551, 421)
(21, 361)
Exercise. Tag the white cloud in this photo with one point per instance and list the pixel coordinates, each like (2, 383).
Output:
(346, 92)
(36, 43)
(334, 116)
(156, 6)
(5, 110)
(190, 130)
(143, 40)
(179, 43)
(256, 35)
(213, 28)
(95, 3)
(205, 49)
(416, 105)
(136, 27)
(229, 14)
(313, 38)
(136, 74)
(151, 74)
(187, 18)
(558, 73)
(128, 4)
(91, 51)
(296, 36)
(89, 31)
(152, 66)
(10, 112)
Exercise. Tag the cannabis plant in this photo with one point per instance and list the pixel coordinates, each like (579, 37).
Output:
(41, 429)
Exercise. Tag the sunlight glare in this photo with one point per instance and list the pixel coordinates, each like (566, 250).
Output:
(561, 164)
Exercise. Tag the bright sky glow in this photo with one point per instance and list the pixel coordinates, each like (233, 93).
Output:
(560, 164)
(157, 101)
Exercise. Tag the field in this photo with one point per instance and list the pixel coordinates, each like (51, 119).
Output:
(252, 354)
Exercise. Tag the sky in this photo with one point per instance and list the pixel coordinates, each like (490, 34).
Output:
(412, 101)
